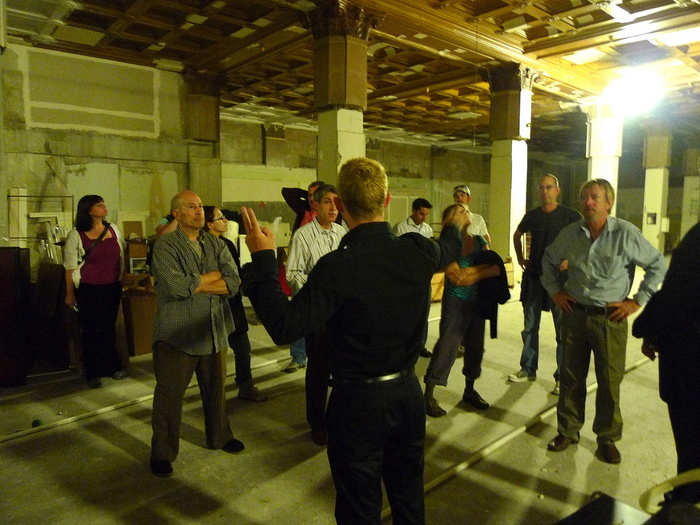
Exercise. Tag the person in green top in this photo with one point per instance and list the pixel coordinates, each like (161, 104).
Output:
(459, 321)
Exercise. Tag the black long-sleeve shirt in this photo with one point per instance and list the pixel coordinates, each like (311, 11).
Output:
(371, 293)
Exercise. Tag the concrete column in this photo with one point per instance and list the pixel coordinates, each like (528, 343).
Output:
(507, 192)
(340, 82)
(604, 143)
(690, 212)
(340, 137)
(511, 103)
(657, 159)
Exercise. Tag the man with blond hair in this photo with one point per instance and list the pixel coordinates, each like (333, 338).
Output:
(376, 420)
(602, 253)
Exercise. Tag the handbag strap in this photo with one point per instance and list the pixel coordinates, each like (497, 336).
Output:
(94, 243)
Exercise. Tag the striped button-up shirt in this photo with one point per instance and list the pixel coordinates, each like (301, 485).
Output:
(194, 323)
(309, 244)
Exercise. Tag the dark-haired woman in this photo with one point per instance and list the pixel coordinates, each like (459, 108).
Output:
(94, 260)
(216, 224)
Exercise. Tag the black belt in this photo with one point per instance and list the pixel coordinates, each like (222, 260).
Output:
(408, 372)
(593, 310)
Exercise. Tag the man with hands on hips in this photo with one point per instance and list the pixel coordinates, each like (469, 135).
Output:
(602, 252)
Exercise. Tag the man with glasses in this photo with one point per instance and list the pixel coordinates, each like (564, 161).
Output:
(195, 276)
(544, 224)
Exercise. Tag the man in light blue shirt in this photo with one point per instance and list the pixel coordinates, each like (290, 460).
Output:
(602, 253)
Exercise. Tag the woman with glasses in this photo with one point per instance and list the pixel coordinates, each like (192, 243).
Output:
(216, 224)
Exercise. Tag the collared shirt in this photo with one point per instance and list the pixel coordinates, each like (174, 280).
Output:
(409, 225)
(477, 226)
(194, 323)
(360, 292)
(309, 244)
(601, 271)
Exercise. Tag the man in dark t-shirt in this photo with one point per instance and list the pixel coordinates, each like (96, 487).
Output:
(544, 224)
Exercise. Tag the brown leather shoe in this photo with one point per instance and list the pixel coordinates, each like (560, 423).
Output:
(561, 442)
(607, 452)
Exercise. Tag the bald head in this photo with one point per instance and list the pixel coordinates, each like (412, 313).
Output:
(187, 209)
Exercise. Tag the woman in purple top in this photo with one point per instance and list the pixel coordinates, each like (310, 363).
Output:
(94, 260)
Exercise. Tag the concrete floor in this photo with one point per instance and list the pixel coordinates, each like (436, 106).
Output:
(88, 461)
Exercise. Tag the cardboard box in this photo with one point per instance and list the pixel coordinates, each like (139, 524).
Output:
(136, 249)
(139, 308)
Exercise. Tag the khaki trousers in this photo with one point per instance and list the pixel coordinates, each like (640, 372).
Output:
(173, 370)
(582, 333)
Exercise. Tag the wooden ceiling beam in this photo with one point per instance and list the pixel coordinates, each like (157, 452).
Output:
(615, 33)
(455, 78)
(230, 45)
(479, 40)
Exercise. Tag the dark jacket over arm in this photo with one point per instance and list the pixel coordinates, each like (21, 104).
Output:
(492, 291)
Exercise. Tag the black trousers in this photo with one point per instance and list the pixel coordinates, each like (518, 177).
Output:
(98, 305)
(317, 376)
(685, 422)
(240, 344)
(377, 431)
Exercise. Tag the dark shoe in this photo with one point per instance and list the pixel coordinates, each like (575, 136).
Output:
(555, 391)
(561, 442)
(249, 392)
(161, 468)
(432, 408)
(120, 374)
(233, 446)
(426, 353)
(320, 437)
(95, 382)
(472, 397)
(607, 452)
(293, 367)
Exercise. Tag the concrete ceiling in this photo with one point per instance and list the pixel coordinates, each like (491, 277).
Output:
(427, 59)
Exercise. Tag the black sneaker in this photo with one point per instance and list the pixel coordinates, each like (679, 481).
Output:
(426, 353)
(234, 445)
(472, 397)
(161, 468)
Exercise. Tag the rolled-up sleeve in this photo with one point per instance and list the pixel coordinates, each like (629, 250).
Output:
(553, 255)
(170, 278)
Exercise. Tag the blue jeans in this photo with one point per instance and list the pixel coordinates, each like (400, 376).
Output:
(534, 300)
(298, 351)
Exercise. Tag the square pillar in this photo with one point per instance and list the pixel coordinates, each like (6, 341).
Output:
(507, 193)
(341, 137)
(657, 159)
(604, 144)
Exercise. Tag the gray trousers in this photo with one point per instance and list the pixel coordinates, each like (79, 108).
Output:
(582, 334)
(459, 322)
(173, 370)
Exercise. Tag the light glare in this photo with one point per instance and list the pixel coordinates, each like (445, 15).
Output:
(635, 93)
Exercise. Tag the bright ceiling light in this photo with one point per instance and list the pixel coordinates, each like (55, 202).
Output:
(637, 92)
(680, 38)
(584, 56)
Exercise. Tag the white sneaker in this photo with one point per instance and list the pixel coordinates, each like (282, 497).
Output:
(520, 376)
(555, 390)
